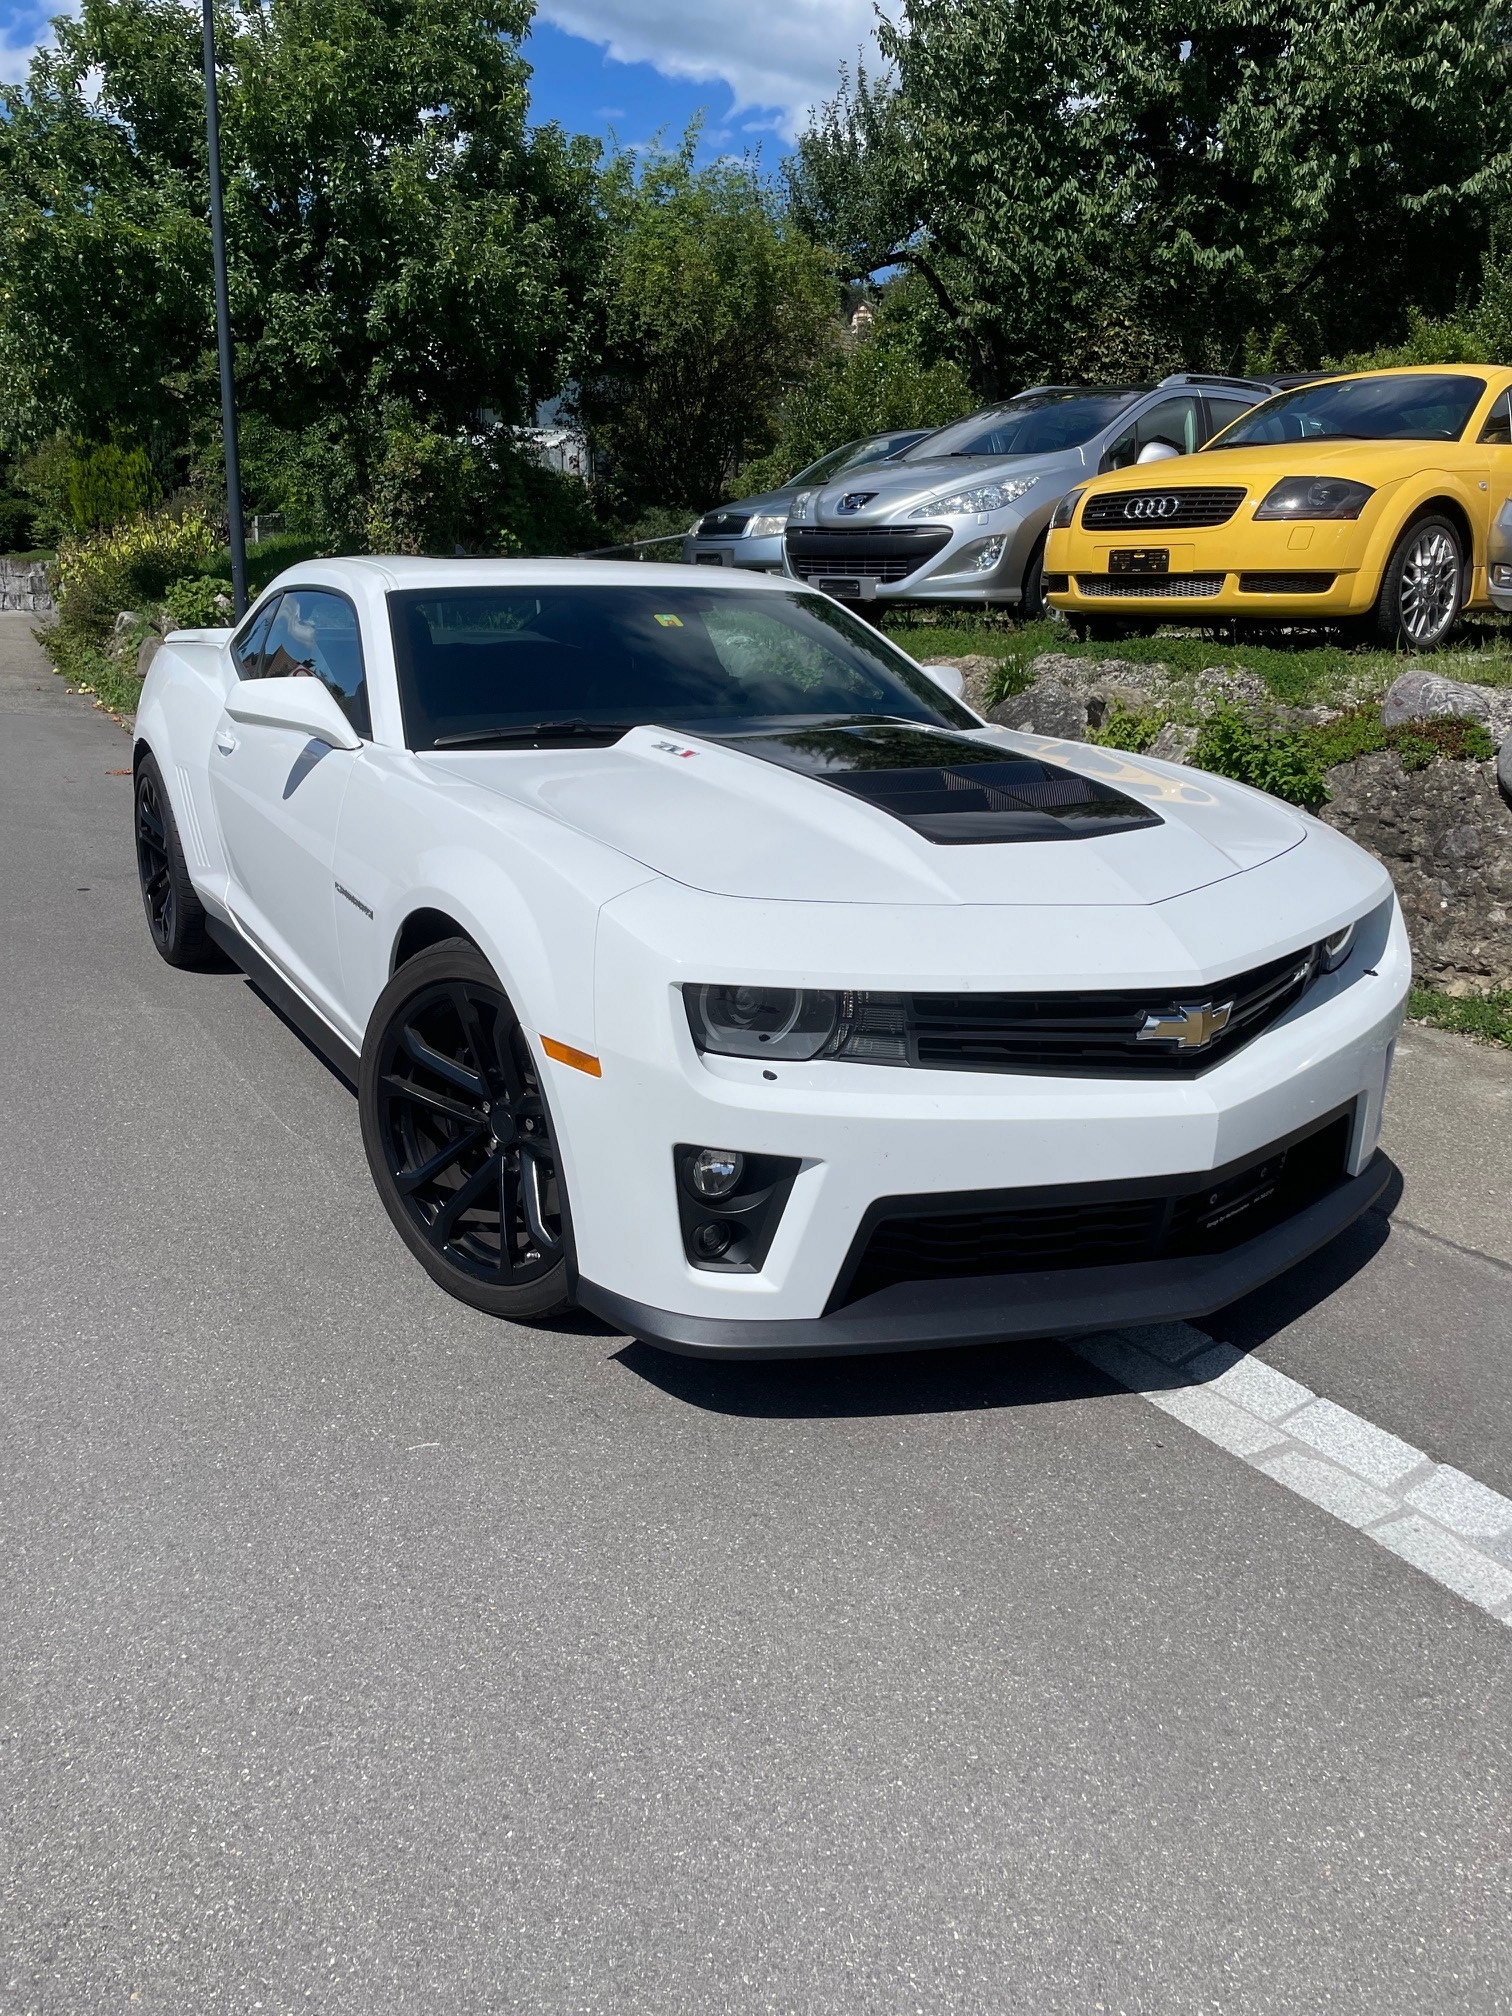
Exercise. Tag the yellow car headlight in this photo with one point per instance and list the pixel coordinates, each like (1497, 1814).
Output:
(1315, 497)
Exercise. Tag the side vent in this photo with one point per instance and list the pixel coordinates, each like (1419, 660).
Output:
(189, 826)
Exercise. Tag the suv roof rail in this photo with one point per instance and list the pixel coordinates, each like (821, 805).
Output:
(1219, 378)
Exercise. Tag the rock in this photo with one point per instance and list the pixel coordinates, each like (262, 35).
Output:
(1047, 708)
(1217, 687)
(1174, 744)
(1425, 696)
(126, 621)
(224, 606)
(1504, 768)
(976, 668)
(151, 645)
(1445, 833)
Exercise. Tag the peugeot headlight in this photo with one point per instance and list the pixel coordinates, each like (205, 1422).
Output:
(1315, 497)
(797, 1023)
(767, 526)
(1065, 511)
(801, 510)
(980, 497)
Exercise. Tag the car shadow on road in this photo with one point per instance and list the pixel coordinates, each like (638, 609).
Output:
(1025, 1373)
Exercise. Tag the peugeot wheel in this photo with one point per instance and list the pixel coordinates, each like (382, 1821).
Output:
(459, 1138)
(1032, 604)
(1423, 588)
(175, 916)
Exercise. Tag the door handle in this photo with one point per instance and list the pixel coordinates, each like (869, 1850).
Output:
(225, 741)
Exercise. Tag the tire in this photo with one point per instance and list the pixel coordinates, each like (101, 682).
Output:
(1033, 607)
(1423, 587)
(1100, 629)
(175, 915)
(459, 1138)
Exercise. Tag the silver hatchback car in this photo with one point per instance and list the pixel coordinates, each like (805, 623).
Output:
(962, 515)
(748, 532)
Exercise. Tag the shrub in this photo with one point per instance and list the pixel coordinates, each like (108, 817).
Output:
(1359, 733)
(196, 602)
(1283, 761)
(17, 524)
(98, 576)
(1128, 728)
(106, 485)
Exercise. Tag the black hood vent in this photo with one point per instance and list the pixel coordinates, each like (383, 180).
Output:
(948, 788)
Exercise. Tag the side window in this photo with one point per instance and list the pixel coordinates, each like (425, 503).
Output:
(1497, 432)
(1224, 412)
(248, 649)
(315, 636)
(1174, 422)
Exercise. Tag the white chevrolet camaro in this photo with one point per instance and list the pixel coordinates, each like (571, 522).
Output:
(700, 959)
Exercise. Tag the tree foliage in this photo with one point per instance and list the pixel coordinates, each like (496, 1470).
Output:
(711, 307)
(1125, 184)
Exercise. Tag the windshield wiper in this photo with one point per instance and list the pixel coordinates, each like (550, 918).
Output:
(536, 731)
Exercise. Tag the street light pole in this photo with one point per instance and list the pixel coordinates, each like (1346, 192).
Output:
(223, 328)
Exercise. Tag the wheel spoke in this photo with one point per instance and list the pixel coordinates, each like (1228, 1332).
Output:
(532, 1177)
(434, 1102)
(472, 1033)
(410, 1180)
(463, 1199)
(151, 824)
(444, 1067)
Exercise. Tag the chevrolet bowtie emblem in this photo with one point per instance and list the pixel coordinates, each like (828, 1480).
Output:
(1189, 1028)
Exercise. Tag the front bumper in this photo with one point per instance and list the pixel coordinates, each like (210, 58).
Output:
(918, 1315)
(755, 556)
(947, 575)
(861, 1134)
(1242, 568)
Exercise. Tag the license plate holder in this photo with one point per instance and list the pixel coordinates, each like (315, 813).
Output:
(1140, 560)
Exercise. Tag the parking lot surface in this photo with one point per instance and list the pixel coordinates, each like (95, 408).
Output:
(360, 1653)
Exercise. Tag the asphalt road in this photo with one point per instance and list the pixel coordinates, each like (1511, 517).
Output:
(360, 1654)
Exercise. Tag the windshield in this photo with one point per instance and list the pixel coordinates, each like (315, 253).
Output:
(479, 663)
(1430, 408)
(1039, 423)
(856, 454)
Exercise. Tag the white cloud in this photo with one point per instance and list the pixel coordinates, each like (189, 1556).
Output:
(781, 56)
(25, 29)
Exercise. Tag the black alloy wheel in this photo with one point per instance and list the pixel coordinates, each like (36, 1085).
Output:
(1423, 587)
(459, 1137)
(175, 916)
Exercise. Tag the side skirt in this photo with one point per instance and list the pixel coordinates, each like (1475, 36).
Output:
(291, 1004)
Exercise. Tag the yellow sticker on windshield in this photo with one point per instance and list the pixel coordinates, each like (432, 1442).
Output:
(670, 622)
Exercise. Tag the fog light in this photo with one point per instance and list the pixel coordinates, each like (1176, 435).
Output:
(712, 1239)
(715, 1172)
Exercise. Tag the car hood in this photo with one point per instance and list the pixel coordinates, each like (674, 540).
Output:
(891, 487)
(1005, 818)
(749, 507)
(1373, 462)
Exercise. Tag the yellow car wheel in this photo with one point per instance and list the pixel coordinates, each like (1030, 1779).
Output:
(1423, 587)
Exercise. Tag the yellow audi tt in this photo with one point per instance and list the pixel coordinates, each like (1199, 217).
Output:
(1382, 499)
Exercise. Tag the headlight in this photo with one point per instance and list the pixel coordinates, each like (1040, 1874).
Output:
(1335, 950)
(980, 497)
(1065, 511)
(694, 529)
(766, 527)
(802, 508)
(1315, 497)
(796, 1023)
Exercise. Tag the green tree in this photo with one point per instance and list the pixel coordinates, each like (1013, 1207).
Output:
(1135, 183)
(396, 229)
(712, 305)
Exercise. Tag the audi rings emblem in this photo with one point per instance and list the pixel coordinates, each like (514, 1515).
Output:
(1152, 507)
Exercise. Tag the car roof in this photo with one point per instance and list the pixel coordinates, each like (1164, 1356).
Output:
(398, 571)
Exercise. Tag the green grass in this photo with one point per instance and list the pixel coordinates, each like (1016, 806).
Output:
(90, 670)
(1488, 1016)
(1300, 668)
(42, 553)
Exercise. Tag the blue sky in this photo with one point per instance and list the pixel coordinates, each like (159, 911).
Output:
(633, 68)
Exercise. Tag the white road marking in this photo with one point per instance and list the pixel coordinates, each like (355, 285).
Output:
(1444, 1523)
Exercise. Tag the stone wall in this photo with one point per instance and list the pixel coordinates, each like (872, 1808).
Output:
(23, 585)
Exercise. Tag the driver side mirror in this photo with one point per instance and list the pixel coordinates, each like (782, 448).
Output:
(1157, 451)
(305, 705)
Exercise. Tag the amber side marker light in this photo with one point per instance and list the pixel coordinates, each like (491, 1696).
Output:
(580, 1060)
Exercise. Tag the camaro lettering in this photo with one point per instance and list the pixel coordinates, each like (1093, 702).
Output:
(1152, 507)
(1189, 1028)
(674, 748)
(355, 901)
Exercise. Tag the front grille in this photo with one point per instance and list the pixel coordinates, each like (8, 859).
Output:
(723, 524)
(1147, 587)
(1158, 510)
(1099, 1033)
(1285, 584)
(1032, 1231)
(881, 553)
